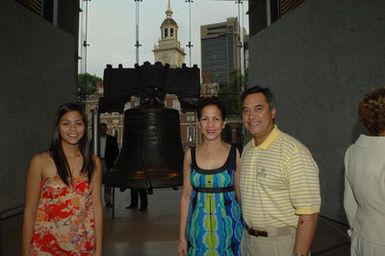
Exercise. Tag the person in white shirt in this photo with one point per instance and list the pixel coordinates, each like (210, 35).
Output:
(364, 196)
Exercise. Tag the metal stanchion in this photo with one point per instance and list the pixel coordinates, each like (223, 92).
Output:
(95, 132)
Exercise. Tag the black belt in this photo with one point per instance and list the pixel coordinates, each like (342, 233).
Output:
(255, 232)
(214, 190)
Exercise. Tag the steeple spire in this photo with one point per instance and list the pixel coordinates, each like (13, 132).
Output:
(169, 11)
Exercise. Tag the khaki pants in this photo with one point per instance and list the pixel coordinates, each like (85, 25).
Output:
(362, 247)
(273, 245)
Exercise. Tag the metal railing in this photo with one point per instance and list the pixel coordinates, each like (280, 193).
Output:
(7, 214)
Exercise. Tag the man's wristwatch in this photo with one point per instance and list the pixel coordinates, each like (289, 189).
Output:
(297, 254)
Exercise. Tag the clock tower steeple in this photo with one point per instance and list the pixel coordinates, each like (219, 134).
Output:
(168, 50)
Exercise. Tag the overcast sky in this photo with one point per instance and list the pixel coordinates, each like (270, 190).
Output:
(111, 28)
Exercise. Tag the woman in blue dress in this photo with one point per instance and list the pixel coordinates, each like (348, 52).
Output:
(211, 221)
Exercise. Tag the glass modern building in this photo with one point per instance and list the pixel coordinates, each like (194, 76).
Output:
(220, 50)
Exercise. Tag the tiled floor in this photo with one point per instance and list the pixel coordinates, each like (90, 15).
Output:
(155, 231)
(151, 232)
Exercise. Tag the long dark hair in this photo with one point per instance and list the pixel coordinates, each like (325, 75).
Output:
(56, 149)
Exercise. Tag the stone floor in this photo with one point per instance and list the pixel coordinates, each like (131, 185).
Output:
(155, 231)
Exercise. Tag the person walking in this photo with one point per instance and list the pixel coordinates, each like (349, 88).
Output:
(109, 151)
(135, 194)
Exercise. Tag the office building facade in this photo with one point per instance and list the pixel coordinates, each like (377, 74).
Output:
(221, 50)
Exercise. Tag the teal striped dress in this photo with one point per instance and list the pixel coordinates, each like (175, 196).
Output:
(215, 223)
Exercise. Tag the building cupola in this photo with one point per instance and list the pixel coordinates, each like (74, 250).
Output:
(169, 51)
(169, 27)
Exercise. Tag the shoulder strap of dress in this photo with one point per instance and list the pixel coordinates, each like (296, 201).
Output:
(192, 155)
(233, 155)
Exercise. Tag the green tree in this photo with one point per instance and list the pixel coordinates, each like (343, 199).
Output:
(230, 94)
(87, 85)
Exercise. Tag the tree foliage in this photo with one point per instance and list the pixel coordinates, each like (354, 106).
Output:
(230, 95)
(87, 85)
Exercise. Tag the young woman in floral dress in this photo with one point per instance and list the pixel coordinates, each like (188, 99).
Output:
(63, 210)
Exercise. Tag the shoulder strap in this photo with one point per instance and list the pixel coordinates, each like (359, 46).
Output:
(192, 156)
(233, 156)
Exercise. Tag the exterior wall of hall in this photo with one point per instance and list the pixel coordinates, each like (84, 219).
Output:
(38, 73)
(319, 60)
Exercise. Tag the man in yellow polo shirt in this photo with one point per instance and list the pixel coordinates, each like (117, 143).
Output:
(279, 184)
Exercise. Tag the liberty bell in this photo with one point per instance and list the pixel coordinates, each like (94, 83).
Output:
(152, 152)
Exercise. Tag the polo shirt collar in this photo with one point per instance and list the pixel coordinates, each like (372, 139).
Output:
(269, 140)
